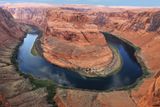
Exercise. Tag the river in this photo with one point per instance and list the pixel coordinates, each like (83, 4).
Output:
(38, 67)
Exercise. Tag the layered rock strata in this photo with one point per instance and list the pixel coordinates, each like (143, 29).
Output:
(139, 26)
(68, 43)
(77, 43)
(86, 52)
(77, 98)
(33, 16)
(15, 91)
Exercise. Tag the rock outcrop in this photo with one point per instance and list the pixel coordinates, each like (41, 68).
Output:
(77, 50)
(139, 26)
(154, 22)
(80, 47)
(8, 27)
(77, 98)
(15, 91)
(3, 101)
(133, 25)
(33, 16)
(76, 44)
(152, 98)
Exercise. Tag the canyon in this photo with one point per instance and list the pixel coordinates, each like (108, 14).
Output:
(72, 38)
(15, 90)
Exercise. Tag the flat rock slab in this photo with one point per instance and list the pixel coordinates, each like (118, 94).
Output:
(78, 98)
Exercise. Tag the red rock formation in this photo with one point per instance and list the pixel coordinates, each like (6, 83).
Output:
(4, 102)
(154, 22)
(78, 98)
(8, 27)
(77, 49)
(17, 90)
(139, 26)
(33, 15)
(134, 27)
(76, 42)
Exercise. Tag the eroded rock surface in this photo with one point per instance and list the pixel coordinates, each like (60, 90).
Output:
(71, 41)
(133, 25)
(33, 16)
(139, 26)
(76, 98)
(15, 91)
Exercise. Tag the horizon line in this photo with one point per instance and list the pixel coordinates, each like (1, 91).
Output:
(57, 4)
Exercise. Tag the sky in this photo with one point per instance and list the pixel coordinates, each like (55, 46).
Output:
(149, 3)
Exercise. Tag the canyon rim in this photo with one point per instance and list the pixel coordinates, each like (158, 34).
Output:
(71, 37)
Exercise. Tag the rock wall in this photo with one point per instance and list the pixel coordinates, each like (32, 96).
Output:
(80, 46)
(33, 15)
(75, 43)
(152, 98)
(8, 27)
(139, 26)
(15, 91)
(78, 98)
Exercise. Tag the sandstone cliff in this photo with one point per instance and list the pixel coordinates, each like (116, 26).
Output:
(8, 27)
(15, 91)
(75, 43)
(152, 98)
(139, 26)
(80, 46)
(32, 16)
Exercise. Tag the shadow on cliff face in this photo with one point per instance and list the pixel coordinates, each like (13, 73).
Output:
(154, 22)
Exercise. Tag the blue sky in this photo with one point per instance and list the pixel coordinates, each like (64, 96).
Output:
(94, 2)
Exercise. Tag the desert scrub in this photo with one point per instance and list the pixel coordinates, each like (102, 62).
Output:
(34, 51)
(48, 84)
(37, 83)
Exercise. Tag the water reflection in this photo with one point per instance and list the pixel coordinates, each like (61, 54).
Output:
(40, 68)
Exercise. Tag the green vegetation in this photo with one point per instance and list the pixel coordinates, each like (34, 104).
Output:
(112, 68)
(48, 84)
(140, 61)
(34, 51)
(51, 86)
(37, 83)
(116, 54)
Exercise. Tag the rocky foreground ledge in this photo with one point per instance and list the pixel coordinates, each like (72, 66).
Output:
(139, 26)
(15, 90)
